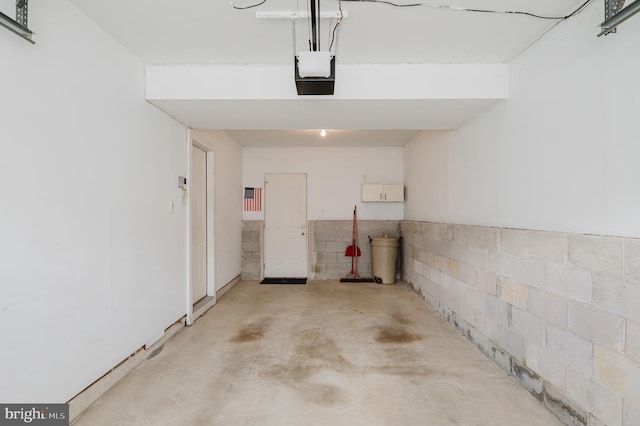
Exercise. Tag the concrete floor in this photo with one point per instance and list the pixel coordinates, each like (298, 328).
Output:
(325, 353)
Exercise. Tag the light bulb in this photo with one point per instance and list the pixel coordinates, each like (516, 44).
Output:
(323, 133)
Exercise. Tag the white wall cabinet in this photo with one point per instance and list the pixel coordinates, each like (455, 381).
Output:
(382, 193)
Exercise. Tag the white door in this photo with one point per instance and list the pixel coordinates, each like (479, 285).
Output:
(198, 224)
(285, 231)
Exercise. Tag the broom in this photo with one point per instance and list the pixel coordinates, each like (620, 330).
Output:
(354, 251)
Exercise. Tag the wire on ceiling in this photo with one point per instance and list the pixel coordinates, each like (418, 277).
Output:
(248, 7)
(338, 23)
(442, 6)
(464, 9)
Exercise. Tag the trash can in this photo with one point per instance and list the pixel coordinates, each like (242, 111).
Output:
(384, 250)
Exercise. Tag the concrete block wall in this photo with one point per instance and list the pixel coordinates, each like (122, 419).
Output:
(328, 241)
(558, 311)
(330, 238)
(252, 243)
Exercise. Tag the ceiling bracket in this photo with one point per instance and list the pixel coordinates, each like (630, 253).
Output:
(611, 7)
(22, 12)
(616, 13)
(20, 25)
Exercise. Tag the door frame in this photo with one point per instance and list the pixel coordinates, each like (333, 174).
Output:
(196, 310)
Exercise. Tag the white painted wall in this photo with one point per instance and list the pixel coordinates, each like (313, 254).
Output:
(561, 154)
(334, 177)
(92, 262)
(227, 205)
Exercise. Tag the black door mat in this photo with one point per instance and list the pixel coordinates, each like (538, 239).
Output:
(280, 280)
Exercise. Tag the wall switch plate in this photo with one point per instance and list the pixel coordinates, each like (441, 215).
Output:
(182, 182)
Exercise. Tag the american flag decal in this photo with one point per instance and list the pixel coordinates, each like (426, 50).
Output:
(252, 199)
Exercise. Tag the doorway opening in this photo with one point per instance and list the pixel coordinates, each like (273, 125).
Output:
(201, 289)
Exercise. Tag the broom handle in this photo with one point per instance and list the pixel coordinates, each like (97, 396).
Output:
(355, 231)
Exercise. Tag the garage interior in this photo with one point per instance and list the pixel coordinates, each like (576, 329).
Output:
(142, 147)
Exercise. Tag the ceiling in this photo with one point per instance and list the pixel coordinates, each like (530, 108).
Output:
(178, 32)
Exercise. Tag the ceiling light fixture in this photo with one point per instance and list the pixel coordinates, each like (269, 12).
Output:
(323, 133)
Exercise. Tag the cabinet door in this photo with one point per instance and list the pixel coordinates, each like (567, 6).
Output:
(372, 192)
(393, 192)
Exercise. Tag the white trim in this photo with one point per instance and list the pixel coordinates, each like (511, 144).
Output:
(211, 299)
(83, 400)
(189, 307)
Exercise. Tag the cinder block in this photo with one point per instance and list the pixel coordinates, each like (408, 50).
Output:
(461, 234)
(337, 268)
(594, 421)
(570, 348)
(454, 251)
(512, 292)
(452, 267)
(335, 247)
(248, 247)
(502, 358)
(528, 379)
(550, 307)
(489, 328)
(417, 266)
(468, 314)
(617, 296)
(550, 246)
(487, 238)
(512, 343)
(325, 257)
(527, 326)
(546, 364)
(630, 414)
(597, 326)
(437, 231)
(499, 264)
(618, 373)
(529, 271)
(572, 283)
(513, 242)
(504, 313)
(490, 306)
(324, 235)
(598, 400)
(468, 274)
(567, 411)
(632, 259)
(476, 256)
(633, 341)
(596, 254)
(487, 282)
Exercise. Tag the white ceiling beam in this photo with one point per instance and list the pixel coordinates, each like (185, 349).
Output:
(353, 81)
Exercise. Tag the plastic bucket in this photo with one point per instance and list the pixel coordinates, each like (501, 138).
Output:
(384, 250)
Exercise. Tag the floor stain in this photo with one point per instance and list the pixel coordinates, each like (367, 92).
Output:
(396, 335)
(251, 332)
(400, 319)
(314, 353)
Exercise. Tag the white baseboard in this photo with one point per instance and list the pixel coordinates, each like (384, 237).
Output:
(94, 391)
